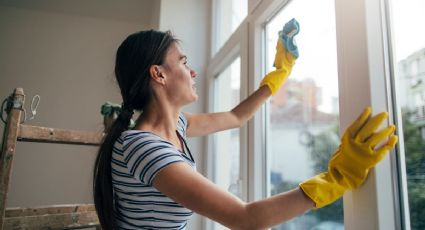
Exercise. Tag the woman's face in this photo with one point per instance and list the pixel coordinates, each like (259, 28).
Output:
(179, 77)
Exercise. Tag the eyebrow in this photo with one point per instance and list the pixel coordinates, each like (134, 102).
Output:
(183, 57)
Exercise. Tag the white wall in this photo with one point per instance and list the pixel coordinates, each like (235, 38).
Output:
(68, 60)
(189, 21)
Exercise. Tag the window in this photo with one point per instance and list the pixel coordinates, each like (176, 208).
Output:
(327, 101)
(226, 146)
(228, 16)
(409, 46)
(303, 123)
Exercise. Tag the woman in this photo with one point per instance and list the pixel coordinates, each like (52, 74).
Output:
(145, 178)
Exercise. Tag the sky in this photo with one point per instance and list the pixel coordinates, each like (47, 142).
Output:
(408, 14)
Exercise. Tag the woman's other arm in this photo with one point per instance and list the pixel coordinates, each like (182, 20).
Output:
(205, 123)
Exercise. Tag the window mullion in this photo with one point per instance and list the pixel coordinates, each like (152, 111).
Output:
(362, 80)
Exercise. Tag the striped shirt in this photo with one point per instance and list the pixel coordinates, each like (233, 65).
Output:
(137, 158)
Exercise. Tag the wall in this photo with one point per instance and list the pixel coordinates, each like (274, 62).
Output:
(65, 53)
(66, 58)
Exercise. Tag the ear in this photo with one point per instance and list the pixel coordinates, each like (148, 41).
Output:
(156, 74)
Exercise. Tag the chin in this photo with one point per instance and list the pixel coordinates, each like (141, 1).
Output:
(192, 99)
(195, 97)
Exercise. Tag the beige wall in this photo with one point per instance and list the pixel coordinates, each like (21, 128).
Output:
(68, 60)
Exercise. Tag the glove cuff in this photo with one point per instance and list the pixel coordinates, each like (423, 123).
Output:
(272, 89)
(275, 79)
(322, 190)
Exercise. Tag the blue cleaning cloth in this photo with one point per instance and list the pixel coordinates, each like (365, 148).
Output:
(287, 34)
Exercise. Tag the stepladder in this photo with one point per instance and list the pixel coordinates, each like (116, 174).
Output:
(66, 216)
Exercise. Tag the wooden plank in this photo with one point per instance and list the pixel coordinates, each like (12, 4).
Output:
(78, 220)
(61, 136)
(9, 146)
(74, 216)
(48, 210)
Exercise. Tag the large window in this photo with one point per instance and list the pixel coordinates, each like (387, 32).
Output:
(292, 138)
(409, 66)
(303, 126)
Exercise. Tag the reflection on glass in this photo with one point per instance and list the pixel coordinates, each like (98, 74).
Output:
(304, 124)
(226, 143)
(229, 15)
(410, 73)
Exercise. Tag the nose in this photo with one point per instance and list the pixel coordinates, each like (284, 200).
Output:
(193, 73)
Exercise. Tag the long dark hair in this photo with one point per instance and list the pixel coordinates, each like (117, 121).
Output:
(135, 56)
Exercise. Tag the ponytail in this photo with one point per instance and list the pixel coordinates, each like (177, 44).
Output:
(102, 175)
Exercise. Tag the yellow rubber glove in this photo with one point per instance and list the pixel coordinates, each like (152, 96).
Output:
(360, 150)
(283, 62)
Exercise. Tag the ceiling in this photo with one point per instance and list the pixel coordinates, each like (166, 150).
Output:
(134, 11)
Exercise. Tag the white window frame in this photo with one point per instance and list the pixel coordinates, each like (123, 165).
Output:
(364, 65)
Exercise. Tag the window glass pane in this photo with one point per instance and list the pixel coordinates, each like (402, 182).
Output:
(229, 15)
(410, 74)
(303, 128)
(226, 143)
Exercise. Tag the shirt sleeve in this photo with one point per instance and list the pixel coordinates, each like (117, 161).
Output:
(148, 158)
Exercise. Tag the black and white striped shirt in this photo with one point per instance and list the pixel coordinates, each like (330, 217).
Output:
(137, 157)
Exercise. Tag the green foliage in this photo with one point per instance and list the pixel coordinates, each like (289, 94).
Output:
(414, 147)
(321, 148)
(332, 212)
(416, 204)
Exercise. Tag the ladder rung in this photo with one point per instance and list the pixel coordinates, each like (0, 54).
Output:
(62, 136)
